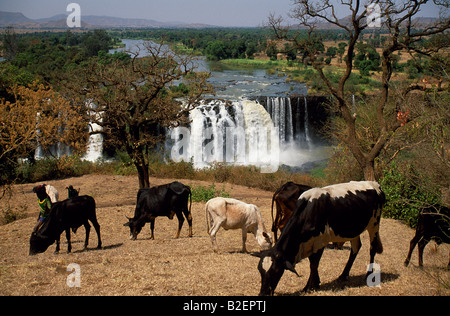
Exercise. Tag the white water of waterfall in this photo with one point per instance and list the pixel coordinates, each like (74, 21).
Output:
(280, 110)
(306, 121)
(240, 133)
(95, 144)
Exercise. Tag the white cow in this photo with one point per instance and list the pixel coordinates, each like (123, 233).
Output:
(52, 193)
(233, 214)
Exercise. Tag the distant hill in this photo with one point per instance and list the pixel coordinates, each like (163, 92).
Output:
(17, 19)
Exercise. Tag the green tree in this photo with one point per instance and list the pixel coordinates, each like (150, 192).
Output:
(216, 50)
(95, 41)
(9, 43)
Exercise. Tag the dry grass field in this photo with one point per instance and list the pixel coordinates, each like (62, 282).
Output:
(188, 266)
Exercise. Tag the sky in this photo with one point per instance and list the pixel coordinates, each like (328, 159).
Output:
(214, 12)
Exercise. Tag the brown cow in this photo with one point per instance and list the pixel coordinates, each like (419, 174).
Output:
(285, 199)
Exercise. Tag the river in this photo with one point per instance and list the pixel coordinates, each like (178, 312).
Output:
(232, 83)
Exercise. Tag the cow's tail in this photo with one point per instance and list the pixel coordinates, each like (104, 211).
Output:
(273, 220)
(190, 202)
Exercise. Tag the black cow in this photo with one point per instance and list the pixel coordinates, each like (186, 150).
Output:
(65, 215)
(72, 192)
(432, 225)
(164, 200)
(335, 213)
(285, 199)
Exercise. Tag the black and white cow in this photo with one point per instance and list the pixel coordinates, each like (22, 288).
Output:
(335, 213)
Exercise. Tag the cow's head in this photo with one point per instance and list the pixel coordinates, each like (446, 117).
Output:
(264, 240)
(135, 227)
(39, 243)
(271, 267)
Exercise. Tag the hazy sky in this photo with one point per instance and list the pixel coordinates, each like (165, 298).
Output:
(214, 12)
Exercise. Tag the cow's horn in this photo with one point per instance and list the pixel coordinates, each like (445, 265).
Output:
(291, 268)
(257, 254)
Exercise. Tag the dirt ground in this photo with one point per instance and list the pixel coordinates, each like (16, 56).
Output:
(188, 266)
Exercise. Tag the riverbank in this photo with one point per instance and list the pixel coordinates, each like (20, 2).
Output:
(297, 72)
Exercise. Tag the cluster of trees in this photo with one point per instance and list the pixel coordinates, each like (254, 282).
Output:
(214, 43)
(52, 86)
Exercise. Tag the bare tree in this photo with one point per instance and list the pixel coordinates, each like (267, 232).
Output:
(133, 100)
(404, 35)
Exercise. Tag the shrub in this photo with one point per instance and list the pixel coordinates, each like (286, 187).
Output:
(407, 192)
(9, 215)
(203, 194)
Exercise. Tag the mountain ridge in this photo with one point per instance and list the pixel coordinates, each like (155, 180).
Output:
(18, 19)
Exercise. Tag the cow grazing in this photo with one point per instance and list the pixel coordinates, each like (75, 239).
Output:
(233, 214)
(65, 215)
(285, 199)
(164, 200)
(335, 213)
(434, 225)
(71, 191)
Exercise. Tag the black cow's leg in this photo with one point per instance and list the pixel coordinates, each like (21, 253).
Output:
(57, 245)
(180, 224)
(152, 228)
(189, 220)
(97, 230)
(87, 227)
(422, 243)
(356, 245)
(314, 279)
(69, 244)
(412, 245)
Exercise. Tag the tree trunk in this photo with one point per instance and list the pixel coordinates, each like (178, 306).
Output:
(369, 171)
(143, 175)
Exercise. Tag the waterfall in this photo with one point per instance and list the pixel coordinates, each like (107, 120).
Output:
(306, 120)
(95, 143)
(94, 149)
(237, 133)
(58, 150)
(280, 110)
(291, 123)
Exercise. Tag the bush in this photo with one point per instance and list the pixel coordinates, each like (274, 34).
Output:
(58, 168)
(407, 192)
(203, 194)
(9, 215)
